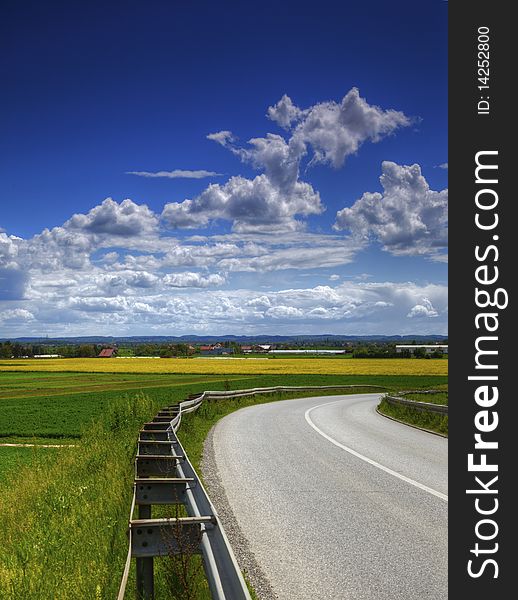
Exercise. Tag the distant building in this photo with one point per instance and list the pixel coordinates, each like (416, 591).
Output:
(262, 348)
(107, 353)
(337, 351)
(45, 356)
(215, 350)
(428, 348)
(257, 348)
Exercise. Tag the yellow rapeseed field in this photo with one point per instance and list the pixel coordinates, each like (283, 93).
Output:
(217, 366)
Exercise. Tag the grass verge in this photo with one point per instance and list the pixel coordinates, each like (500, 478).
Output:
(63, 525)
(438, 398)
(424, 419)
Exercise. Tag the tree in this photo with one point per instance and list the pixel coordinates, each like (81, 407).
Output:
(86, 351)
(419, 353)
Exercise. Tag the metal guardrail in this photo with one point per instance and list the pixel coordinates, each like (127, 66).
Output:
(165, 476)
(441, 409)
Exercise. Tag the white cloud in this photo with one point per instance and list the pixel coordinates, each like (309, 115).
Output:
(337, 130)
(425, 309)
(259, 302)
(221, 137)
(176, 174)
(251, 205)
(443, 166)
(110, 258)
(194, 280)
(117, 270)
(275, 198)
(9, 247)
(284, 112)
(142, 279)
(407, 219)
(284, 312)
(16, 315)
(88, 305)
(103, 305)
(297, 256)
(124, 219)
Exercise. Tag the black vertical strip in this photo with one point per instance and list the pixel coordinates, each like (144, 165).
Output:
(469, 133)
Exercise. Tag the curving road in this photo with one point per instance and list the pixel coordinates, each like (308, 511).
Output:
(336, 501)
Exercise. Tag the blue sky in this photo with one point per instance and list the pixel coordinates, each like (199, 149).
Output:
(241, 149)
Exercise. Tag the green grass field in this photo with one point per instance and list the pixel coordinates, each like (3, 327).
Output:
(59, 405)
(12, 459)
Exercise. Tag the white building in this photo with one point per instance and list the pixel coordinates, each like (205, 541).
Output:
(428, 348)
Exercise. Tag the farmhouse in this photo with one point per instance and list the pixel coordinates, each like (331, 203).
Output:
(107, 353)
(215, 350)
(428, 348)
(263, 348)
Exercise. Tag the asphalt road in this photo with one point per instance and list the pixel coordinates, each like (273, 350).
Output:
(336, 501)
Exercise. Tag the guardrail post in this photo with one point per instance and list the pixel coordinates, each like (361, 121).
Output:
(144, 565)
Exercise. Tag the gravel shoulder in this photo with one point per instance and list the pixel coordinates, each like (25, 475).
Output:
(242, 550)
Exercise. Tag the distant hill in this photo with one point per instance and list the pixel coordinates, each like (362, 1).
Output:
(240, 339)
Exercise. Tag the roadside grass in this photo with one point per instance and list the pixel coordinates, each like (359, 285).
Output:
(440, 398)
(29, 441)
(13, 459)
(424, 419)
(63, 525)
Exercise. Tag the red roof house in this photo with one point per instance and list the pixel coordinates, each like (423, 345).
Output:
(108, 353)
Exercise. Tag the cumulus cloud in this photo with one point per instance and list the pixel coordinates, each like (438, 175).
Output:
(284, 312)
(408, 218)
(443, 166)
(336, 130)
(97, 300)
(277, 197)
(9, 247)
(110, 217)
(103, 305)
(117, 270)
(176, 174)
(221, 137)
(142, 279)
(425, 309)
(251, 205)
(16, 315)
(194, 280)
(284, 113)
